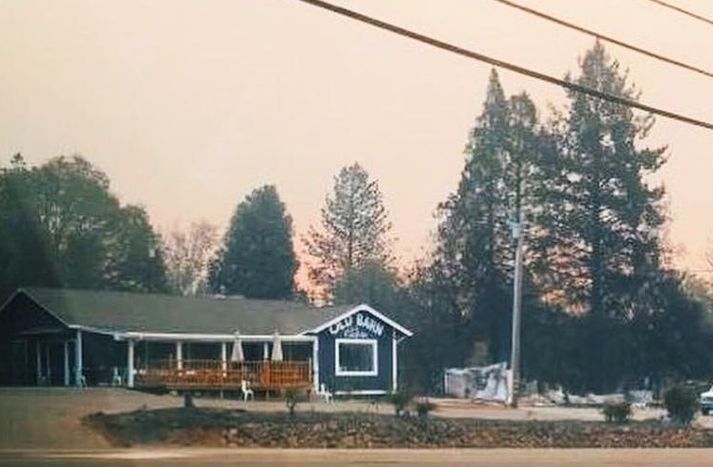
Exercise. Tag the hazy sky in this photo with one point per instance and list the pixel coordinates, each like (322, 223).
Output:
(188, 105)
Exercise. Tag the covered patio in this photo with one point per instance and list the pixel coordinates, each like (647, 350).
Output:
(262, 363)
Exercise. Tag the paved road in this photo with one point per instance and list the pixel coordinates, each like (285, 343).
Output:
(364, 458)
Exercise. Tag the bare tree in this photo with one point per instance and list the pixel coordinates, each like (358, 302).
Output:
(187, 255)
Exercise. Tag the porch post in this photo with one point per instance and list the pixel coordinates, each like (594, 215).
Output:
(78, 371)
(315, 363)
(47, 365)
(394, 363)
(130, 363)
(38, 354)
(224, 356)
(66, 363)
(179, 355)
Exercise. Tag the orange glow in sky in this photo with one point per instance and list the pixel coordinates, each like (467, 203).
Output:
(189, 105)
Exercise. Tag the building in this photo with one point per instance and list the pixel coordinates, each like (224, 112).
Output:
(63, 337)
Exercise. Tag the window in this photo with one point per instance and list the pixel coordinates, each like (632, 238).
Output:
(356, 357)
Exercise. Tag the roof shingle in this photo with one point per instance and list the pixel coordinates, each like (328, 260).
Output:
(136, 312)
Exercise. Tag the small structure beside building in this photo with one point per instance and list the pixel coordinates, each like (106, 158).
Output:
(486, 383)
(64, 337)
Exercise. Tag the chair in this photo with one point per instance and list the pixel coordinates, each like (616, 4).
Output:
(326, 395)
(116, 379)
(81, 381)
(247, 392)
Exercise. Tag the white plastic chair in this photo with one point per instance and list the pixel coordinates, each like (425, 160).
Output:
(81, 381)
(116, 379)
(326, 395)
(247, 392)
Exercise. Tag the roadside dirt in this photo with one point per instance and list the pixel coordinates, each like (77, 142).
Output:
(49, 418)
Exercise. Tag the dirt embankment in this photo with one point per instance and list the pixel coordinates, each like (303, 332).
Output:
(216, 427)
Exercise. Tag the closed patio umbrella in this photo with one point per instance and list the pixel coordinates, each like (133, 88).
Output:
(237, 355)
(276, 347)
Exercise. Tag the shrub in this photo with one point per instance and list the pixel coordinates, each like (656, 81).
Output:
(292, 398)
(400, 400)
(423, 407)
(681, 403)
(617, 412)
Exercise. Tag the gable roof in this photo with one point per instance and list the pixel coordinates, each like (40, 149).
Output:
(119, 312)
(367, 308)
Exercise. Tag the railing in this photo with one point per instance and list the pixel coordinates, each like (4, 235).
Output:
(217, 374)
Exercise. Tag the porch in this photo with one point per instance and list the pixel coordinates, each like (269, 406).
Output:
(211, 374)
(202, 362)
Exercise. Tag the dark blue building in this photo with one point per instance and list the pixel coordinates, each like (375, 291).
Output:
(358, 352)
(62, 337)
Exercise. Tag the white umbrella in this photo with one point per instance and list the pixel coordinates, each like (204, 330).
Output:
(237, 355)
(276, 347)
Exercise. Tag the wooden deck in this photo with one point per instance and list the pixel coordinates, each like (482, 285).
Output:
(216, 374)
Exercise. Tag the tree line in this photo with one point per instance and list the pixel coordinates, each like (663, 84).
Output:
(603, 308)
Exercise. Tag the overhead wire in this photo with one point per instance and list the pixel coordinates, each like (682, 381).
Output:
(606, 38)
(572, 86)
(683, 11)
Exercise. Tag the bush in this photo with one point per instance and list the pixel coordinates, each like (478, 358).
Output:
(400, 400)
(188, 400)
(423, 407)
(617, 412)
(292, 398)
(681, 403)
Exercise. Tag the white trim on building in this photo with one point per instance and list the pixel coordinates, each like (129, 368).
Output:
(357, 309)
(182, 337)
(362, 392)
(373, 343)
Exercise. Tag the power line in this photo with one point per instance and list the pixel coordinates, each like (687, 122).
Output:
(685, 12)
(506, 65)
(606, 38)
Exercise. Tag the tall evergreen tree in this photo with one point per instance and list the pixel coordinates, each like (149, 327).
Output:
(355, 229)
(604, 215)
(257, 258)
(475, 247)
(602, 219)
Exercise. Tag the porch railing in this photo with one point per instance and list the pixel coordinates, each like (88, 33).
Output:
(217, 374)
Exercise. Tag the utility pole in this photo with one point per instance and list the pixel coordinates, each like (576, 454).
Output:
(518, 235)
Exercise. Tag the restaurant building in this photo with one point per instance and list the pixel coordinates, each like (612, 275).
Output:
(64, 337)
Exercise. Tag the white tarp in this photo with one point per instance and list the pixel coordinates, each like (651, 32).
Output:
(488, 383)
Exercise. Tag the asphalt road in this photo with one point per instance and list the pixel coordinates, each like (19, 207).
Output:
(364, 458)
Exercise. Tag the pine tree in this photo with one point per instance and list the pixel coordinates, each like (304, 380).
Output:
(475, 247)
(602, 218)
(257, 259)
(354, 229)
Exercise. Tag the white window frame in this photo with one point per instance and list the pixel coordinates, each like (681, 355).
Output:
(374, 352)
